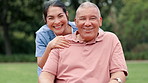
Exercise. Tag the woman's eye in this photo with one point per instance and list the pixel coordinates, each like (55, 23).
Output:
(50, 18)
(60, 16)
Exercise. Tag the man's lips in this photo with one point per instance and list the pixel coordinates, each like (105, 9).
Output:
(88, 29)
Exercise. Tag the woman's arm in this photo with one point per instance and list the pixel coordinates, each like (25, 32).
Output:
(57, 42)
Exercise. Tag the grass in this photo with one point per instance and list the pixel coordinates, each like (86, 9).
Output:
(138, 72)
(18, 73)
(26, 72)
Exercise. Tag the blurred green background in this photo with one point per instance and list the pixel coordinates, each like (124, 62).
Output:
(128, 19)
(20, 19)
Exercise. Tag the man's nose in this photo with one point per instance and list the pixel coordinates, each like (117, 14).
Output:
(87, 22)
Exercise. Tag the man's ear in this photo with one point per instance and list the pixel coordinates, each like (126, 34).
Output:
(100, 21)
(75, 20)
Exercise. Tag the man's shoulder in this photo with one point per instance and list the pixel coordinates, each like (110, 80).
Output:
(103, 33)
(69, 36)
(110, 35)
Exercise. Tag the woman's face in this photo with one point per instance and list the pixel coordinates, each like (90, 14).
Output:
(57, 20)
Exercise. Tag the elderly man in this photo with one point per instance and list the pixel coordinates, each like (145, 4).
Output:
(93, 57)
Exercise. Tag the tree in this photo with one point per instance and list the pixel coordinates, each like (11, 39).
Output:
(17, 22)
(104, 6)
(133, 23)
(21, 18)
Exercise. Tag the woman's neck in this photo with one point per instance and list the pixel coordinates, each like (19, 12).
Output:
(68, 30)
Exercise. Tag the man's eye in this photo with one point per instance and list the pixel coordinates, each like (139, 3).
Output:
(82, 19)
(93, 18)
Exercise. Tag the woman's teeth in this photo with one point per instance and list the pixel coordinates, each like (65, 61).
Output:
(58, 27)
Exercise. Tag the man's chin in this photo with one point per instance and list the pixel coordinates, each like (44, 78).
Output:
(88, 38)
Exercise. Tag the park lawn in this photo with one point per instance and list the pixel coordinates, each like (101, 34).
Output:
(138, 72)
(18, 73)
(26, 72)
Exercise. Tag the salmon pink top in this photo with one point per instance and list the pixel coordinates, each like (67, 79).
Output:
(90, 62)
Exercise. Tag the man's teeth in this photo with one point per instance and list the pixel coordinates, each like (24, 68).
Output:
(87, 28)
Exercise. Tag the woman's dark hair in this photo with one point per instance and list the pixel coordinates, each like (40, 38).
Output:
(57, 3)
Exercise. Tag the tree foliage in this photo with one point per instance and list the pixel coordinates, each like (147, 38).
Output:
(19, 20)
(72, 6)
(133, 23)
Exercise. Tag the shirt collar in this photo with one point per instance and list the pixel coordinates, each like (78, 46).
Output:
(97, 39)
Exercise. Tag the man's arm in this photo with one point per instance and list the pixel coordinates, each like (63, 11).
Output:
(115, 75)
(46, 77)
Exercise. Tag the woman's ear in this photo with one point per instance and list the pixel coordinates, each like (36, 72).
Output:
(44, 19)
(67, 13)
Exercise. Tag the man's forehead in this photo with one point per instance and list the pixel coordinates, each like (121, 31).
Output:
(86, 8)
(87, 11)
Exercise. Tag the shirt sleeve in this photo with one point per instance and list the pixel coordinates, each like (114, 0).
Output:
(118, 62)
(40, 45)
(51, 65)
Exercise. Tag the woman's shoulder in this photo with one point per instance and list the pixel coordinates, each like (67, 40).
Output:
(43, 29)
(73, 25)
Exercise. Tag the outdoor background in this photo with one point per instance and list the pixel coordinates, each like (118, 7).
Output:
(20, 19)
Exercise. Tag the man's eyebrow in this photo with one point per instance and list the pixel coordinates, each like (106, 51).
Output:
(81, 16)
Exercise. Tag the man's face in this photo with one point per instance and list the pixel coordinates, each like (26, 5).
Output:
(88, 22)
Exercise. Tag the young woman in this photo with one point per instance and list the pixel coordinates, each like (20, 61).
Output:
(50, 36)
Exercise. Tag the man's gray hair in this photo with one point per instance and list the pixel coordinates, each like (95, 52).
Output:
(88, 4)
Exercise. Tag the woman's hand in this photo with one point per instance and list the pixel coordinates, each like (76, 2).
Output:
(58, 42)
